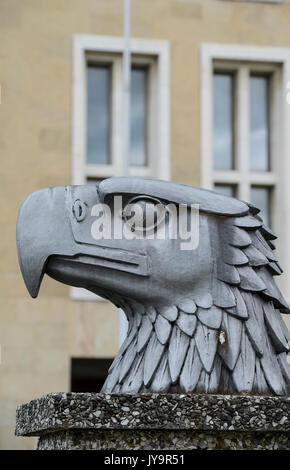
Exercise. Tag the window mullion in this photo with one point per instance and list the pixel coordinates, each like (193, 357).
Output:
(152, 120)
(262, 178)
(227, 176)
(117, 110)
(242, 131)
(275, 148)
(207, 175)
(79, 120)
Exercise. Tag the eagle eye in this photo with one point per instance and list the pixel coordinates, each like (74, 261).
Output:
(143, 213)
(79, 210)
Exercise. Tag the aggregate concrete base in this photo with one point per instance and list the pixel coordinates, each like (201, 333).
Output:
(156, 421)
(167, 440)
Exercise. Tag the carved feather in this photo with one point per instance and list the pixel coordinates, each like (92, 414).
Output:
(244, 371)
(249, 279)
(268, 361)
(178, 345)
(283, 327)
(127, 310)
(234, 256)
(152, 358)
(267, 233)
(239, 238)
(228, 273)
(285, 366)
(203, 300)
(230, 349)
(274, 268)
(206, 342)
(134, 325)
(162, 380)
(113, 377)
(137, 307)
(162, 329)
(272, 290)
(144, 333)
(252, 325)
(191, 369)
(128, 359)
(254, 211)
(225, 380)
(134, 381)
(271, 245)
(273, 325)
(115, 363)
(170, 313)
(260, 243)
(260, 385)
(210, 317)
(203, 382)
(255, 257)
(214, 378)
(223, 295)
(271, 369)
(187, 323)
(247, 222)
(151, 312)
(187, 306)
(240, 310)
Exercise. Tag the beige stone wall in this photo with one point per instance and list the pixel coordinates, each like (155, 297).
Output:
(38, 337)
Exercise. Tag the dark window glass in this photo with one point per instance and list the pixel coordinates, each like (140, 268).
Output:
(260, 198)
(138, 116)
(98, 114)
(223, 138)
(89, 375)
(259, 126)
(225, 189)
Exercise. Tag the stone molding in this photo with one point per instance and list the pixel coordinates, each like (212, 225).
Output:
(93, 411)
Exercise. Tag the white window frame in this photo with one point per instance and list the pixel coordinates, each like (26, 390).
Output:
(155, 54)
(241, 175)
(280, 172)
(159, 145)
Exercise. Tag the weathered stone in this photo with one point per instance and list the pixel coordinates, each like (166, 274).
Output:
(156, 421)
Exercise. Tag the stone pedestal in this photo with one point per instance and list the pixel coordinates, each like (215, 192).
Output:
(156, 421)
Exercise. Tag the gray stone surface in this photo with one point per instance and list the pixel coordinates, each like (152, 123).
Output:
(156, 421)
(205, 319)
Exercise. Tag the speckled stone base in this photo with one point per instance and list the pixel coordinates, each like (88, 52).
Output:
(156, 421)
(166, 440)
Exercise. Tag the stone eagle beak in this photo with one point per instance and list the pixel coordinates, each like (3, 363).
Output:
(35, 234)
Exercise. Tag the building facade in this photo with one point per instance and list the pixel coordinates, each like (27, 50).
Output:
(210, 107)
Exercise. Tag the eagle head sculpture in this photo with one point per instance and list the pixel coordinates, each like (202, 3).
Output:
(201, 320)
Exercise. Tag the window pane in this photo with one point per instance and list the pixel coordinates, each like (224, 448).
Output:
(260, 198)
(259, 129)
(138, 116)
(225, 189)
(98, 114)
(223, 122)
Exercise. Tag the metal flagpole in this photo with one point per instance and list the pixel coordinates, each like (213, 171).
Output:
(126, 122)
(126, 87)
